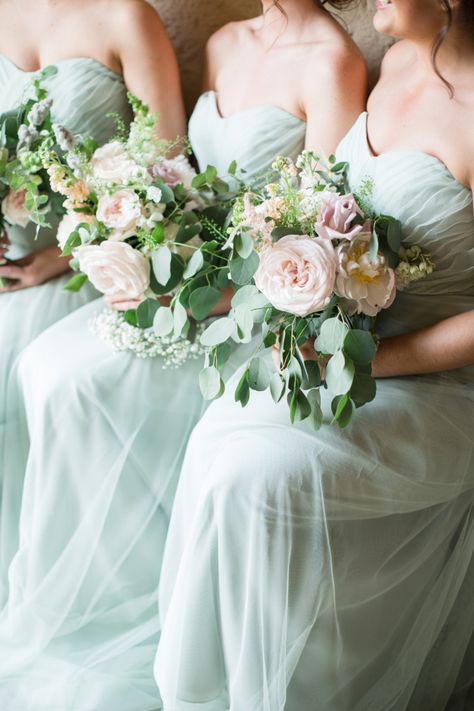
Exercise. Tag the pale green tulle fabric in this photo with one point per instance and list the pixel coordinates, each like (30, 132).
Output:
(334, 570)
(108, 433)
(83, 92)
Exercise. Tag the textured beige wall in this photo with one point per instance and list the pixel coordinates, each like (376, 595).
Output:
(190, 22)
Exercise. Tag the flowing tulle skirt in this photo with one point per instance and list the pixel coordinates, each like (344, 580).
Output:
(324, 571)
(108, 434)
(23, 316)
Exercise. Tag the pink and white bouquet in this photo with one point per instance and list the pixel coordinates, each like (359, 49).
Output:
(312, 265)
(25, 192)
(132, 226)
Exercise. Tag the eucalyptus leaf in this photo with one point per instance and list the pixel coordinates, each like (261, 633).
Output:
(312, 376)
(360, 346)
(210, 383)
(218, 332)
(363, 389)
(243, 318)
(242, 391)
(300, 407)
(316, 416)
(161, 260)
(339, 374)
(277, 387)
(242, 270)
(163, 322)
(177, 270)
(180, 318)
(331, 336)
(343, 409)
(259, 374)
(194, 265)
(146, 312)
(243, 245)
(202, 301)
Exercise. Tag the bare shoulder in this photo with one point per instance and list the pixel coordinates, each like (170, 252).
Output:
(336, 65)
(138, 17)
(225, 36)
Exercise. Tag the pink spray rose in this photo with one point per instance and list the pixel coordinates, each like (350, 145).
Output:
(367, 287)
(297, 274)
(115, 269)
(336, 216)
(174, 171)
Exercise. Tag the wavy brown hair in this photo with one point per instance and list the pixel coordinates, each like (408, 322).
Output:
(466, 12)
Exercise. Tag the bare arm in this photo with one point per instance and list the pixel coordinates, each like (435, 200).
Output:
(333, 107)
(149, 66)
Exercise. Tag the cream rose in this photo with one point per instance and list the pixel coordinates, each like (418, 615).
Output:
(112, 163)
(14, 210)
(297, 274)
(68, 224)
(366, 286)
(115, 269)
(120, 212)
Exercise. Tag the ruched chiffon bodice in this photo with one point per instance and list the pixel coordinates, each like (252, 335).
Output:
(85, 93)
(253, 138)
(436, 213)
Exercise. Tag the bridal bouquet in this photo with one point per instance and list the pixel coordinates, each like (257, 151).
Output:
(25, 192)
(312, 264)
(133, 227)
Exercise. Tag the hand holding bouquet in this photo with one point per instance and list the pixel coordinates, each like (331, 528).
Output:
(133, 225)
(312, 264)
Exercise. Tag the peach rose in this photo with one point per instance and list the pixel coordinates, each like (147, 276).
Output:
(115, 269)
(120, 212)
(112, 163)
(297, 274)
(367, 287)
(14, 210)
(336, 217)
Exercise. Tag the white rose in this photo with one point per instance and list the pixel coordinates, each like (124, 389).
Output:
(116, 269)
(14, 210)
(120, 212)
(112, 164)
(367, 286)
(68, 224)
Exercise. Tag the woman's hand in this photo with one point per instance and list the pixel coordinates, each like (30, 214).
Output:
(33, 270)
(4, 245)
(308, 353)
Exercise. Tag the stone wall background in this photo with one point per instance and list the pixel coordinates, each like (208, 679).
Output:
(191, 22)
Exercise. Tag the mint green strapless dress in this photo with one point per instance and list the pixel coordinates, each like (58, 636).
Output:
(84, 92)
(108, 433)
(334, 570)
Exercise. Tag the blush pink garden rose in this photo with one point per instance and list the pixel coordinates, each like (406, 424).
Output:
(14, 210)
(367, 287)
(117, 270)
(120, 212)
(297, 274)
(111, 163)
(336, 216)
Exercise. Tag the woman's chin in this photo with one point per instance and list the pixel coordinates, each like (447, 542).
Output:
(383, 22)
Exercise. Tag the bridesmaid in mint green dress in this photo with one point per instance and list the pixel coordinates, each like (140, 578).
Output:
(334, 570)
(108, 431)
(88, 87)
